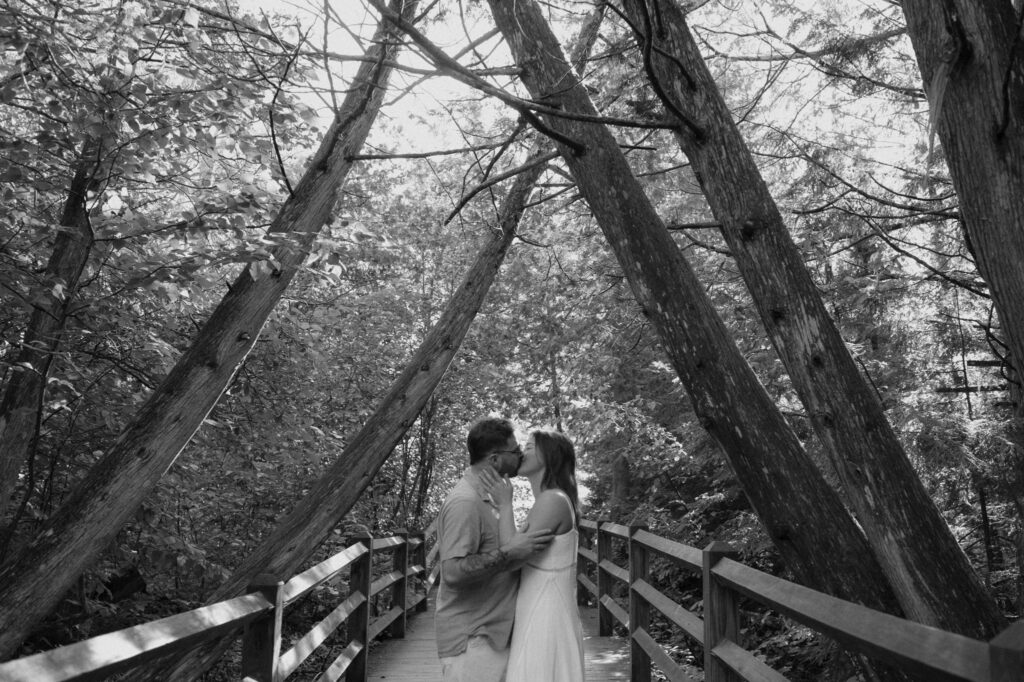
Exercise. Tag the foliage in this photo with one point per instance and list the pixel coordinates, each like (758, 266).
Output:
(181, 101)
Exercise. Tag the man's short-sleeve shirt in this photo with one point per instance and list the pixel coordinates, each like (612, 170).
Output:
(468, 524)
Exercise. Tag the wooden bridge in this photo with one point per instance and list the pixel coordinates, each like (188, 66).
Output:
(414, 658)
(390, 577)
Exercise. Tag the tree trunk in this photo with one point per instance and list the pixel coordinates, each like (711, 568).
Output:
(971, 56)
(23, 396)
(35, 580)
(919, 555)
(305, 528)
(812, 530)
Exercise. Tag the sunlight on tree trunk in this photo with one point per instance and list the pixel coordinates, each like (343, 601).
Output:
(814, 533)
(918, 553)
(973, 53)
(35, 579)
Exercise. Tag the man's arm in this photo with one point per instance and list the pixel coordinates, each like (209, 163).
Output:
(474, 568)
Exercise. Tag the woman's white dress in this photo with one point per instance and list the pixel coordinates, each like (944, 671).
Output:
(547, 638)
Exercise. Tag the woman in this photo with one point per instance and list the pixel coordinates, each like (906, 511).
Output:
(547, 638)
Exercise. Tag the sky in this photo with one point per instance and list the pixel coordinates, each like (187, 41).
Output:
(420, 114)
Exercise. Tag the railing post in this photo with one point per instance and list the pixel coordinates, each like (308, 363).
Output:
(605, 619)
(639, 609)
(582, 595)
(261, 643)
(721, 614)
(1006, 654)
(360, 577)
(420, 559)
(399, 591)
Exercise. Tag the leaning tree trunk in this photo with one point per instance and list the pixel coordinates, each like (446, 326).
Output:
(35, 580)
(297, 535)
(22, 400)
(814, 533)
(971, 56)
(932, 578)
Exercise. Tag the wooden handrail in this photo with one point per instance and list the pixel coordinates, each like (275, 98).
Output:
(260, 614)
(920, 650)
(115, 652)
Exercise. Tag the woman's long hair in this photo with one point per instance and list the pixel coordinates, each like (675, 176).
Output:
(559, 457)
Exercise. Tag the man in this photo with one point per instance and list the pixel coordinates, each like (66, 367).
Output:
(476, 598)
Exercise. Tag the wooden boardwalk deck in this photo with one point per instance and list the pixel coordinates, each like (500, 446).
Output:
(414, 659)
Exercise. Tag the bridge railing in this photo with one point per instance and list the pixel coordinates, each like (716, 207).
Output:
(920, 650)
(404, 582)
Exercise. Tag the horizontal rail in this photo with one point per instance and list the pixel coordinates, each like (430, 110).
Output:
(672, 670)
(312, 578)
(588, 554)
(384, 582)
(307, 644)
(617, 611)
(381, 622)
(342, 662)
(617, 572)
(100, 657)
(686, 620)
(745, 664)
(587, 524)
(690, 557)
(918, 648)
(615, 529)
(387, 543)
(588, 584)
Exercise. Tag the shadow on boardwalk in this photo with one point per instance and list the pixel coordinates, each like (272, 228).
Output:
(414, 659)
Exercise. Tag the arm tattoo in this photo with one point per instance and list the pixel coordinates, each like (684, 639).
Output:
(477, 567)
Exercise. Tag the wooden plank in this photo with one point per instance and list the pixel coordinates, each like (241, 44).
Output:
(307, 644)
(615, 529)
(384, 582)
(587, 583)
(100, 657)
(321, 573)
(616, 610)
(745, 664)
(387, 543)
(588, 524)
(688, 621)
(414, 659)
(588, 554)
(617, 572)
(341, 663)
(381, 622)
(683, 555)
(669, 668)
(919, 649)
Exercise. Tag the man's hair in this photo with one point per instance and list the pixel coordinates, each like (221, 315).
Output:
(487, 435)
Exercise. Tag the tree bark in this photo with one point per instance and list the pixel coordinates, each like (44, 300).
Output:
(35, 580)
(812, 530)
(312, 520)
(918, 554)
(23, 395)
(971, 56)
